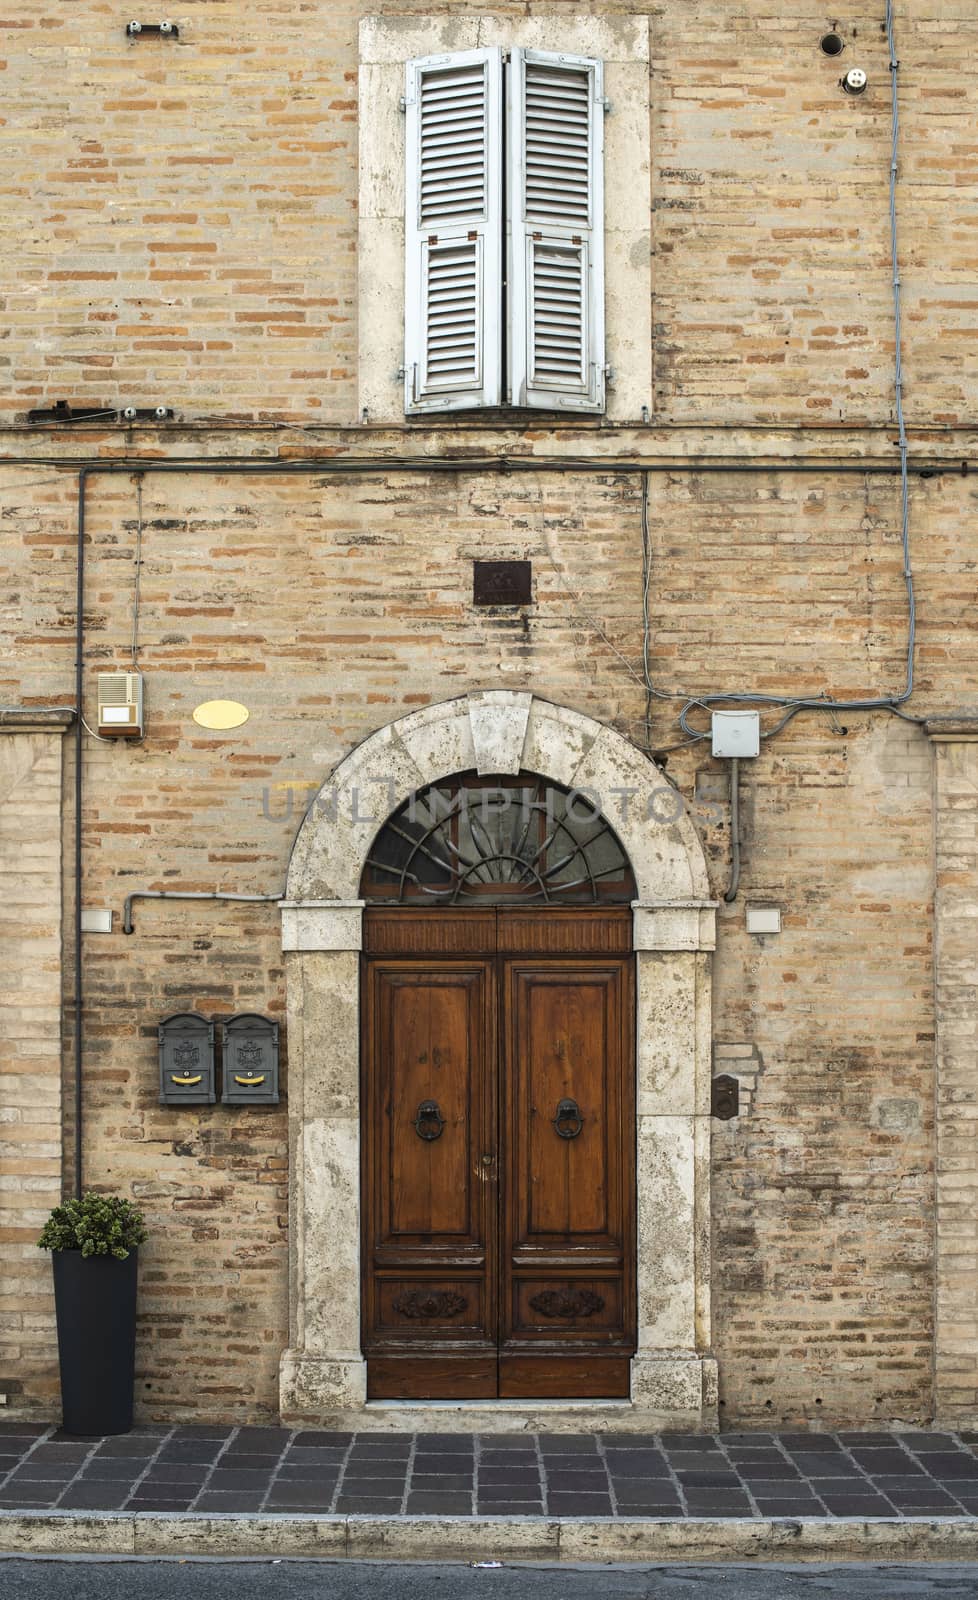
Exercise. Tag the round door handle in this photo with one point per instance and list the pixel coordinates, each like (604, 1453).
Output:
(429, 1124)
(488, 1160)
(568, 1122)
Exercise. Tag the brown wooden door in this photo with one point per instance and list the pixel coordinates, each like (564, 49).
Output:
(498, 1126)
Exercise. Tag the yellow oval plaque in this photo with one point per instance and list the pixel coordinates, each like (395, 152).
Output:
(221, 714)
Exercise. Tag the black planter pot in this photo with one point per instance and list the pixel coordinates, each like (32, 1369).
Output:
(95, 1300)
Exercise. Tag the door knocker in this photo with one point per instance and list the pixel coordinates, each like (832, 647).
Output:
(568, 1122)
(429, 1122)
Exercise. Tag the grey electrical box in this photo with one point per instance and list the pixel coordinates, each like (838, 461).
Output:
(736, 733)
(250, 1061)
(186, 1060)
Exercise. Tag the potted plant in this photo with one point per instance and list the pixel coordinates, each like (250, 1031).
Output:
(94, 1243)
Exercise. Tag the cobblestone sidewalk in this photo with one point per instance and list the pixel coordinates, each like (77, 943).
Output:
(248, 1470)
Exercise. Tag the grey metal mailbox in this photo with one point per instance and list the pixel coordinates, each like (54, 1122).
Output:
(250, 1061)
(186, 1060)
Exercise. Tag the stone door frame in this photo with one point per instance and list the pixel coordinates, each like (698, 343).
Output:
(323, 1372)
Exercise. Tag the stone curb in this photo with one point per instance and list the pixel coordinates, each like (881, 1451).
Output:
(489, 1538)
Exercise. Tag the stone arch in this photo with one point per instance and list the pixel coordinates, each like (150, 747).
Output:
(323, 1373)
(496, 731)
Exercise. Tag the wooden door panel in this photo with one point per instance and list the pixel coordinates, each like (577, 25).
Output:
(563, 1063)
(429, 1204)
(429, 1056)
(563, 1029)
(558, 1376)
(432, 1377)
(567, 1238)
(412, 931)
(544, 1306)
(498, 1261)
(430, 1051)
(563, 930)
(437, 1306)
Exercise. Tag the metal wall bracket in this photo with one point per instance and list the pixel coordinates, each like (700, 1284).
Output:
(162, 30)
(61, 411)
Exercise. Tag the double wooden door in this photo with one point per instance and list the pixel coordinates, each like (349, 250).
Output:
(498, 1172)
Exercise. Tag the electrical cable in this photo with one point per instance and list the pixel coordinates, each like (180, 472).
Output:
(191, 894)
(138, 563)
(99, 736)
(646, 621)
(731, 893)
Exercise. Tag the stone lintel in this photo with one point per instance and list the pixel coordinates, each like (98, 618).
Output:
(322, 924)
(674, 925)
(35, 719)
(959, 727)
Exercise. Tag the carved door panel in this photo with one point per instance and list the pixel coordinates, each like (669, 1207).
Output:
(566, 1220)
(429, 1245)
(498, 1129)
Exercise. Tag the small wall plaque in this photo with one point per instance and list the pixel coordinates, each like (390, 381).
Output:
(502, 583)
(186, 1060)
(250, 1061)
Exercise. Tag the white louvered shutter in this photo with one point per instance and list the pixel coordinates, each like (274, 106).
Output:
(555, 206)
(453, 231)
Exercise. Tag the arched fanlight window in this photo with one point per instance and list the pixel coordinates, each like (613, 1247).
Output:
(472, 840)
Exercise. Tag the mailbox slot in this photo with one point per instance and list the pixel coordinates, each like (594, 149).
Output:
(250, 1061)
(186, 1060)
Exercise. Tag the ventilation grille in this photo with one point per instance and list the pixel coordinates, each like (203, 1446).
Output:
(453, 144)
(557, 144)
(558, 315)
(452, 312)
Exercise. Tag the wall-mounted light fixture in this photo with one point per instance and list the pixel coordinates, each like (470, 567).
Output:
(854, 81)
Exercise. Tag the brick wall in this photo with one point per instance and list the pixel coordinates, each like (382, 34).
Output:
(186, 222)
(30, 1054)
(188, 236)
(956, 838)
(329, 608)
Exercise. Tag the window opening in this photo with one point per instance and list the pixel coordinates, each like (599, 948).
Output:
(473, 840)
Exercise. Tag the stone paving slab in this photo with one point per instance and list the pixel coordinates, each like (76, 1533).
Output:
(204, 1471)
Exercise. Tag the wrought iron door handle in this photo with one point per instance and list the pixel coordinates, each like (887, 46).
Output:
(429, 1122)
(568, 1122)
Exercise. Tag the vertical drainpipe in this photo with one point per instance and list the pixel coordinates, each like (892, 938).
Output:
(79, 749)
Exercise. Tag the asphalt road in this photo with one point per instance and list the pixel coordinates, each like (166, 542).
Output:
(80, 1579)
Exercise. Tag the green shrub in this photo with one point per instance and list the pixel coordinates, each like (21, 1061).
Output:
(97, 1225)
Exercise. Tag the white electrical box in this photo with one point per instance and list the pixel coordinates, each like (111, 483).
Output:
(736, 733)
(763, 919)
(95, 921)
(120, 705)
